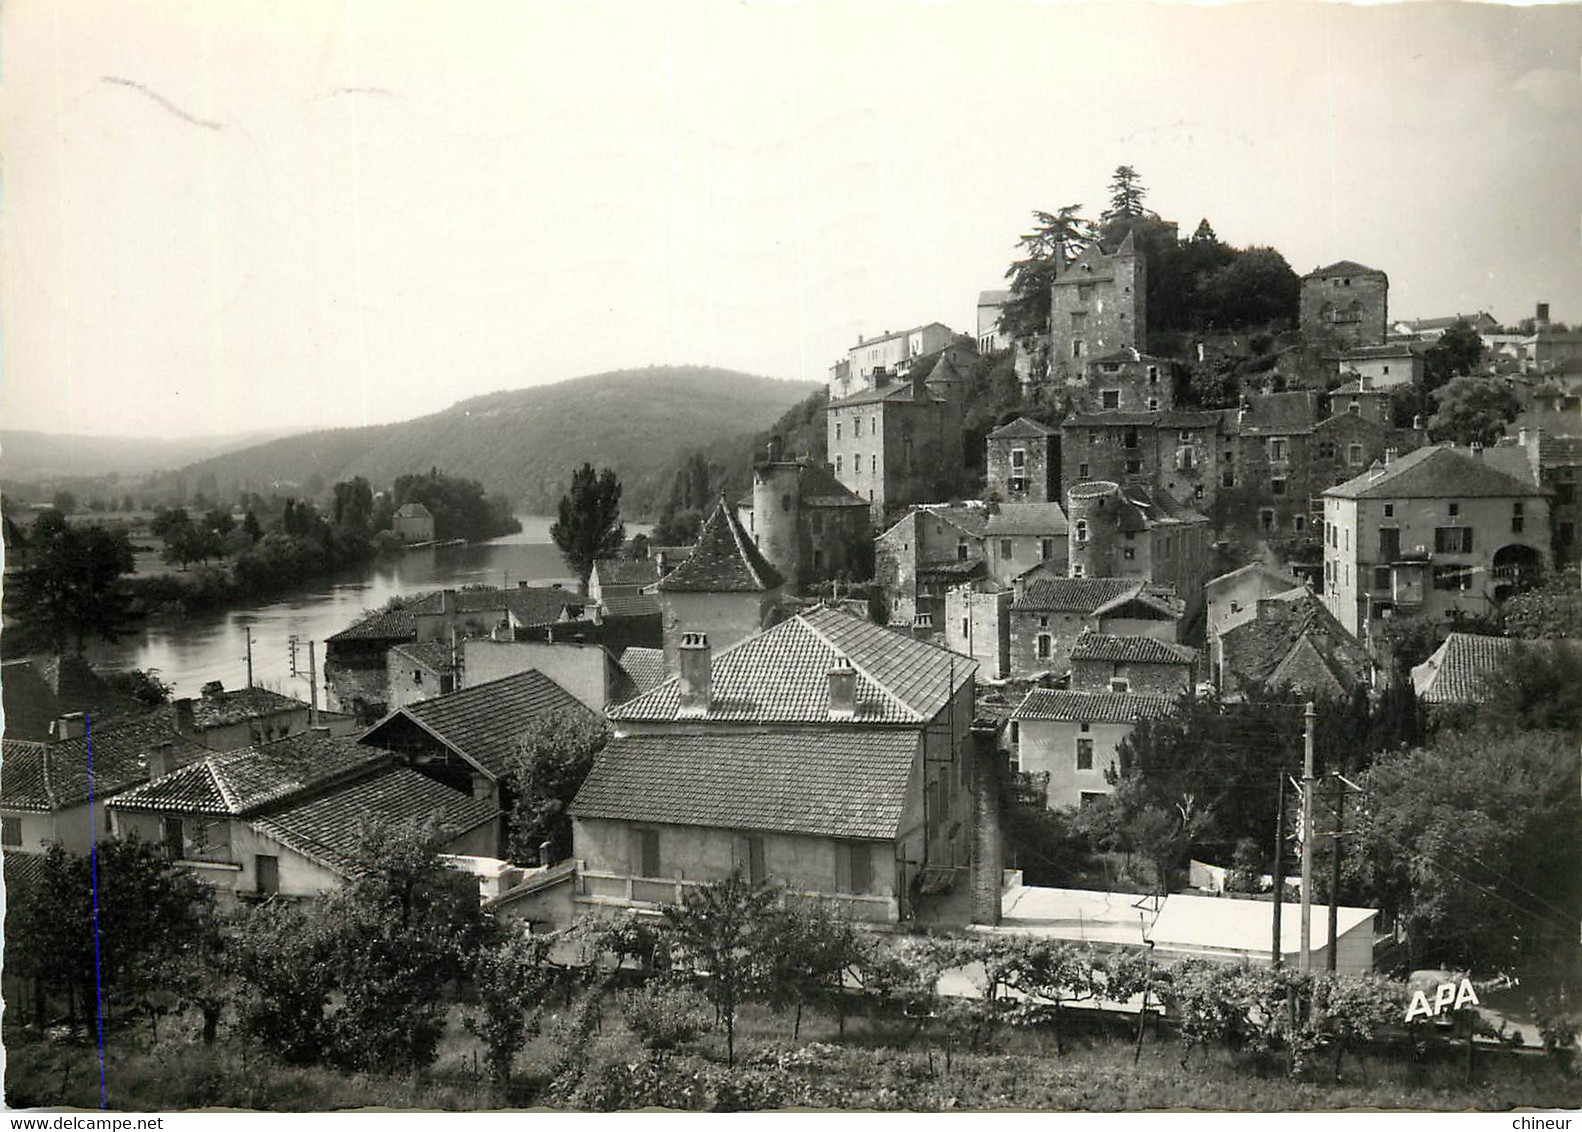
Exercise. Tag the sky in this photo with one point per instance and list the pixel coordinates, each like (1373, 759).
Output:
(223, 218)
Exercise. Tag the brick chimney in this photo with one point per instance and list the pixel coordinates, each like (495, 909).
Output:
(697, 673)
(842, 690)
(185, 723)
(987, 870)
(159, 760)
(1390, 454)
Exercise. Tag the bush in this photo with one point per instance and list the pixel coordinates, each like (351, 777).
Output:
(665, 1015)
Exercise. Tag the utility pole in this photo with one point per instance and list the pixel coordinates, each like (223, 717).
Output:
(1305, 960)
(1334, 871)
(1279, 867)
(313, 686)
(248, 629)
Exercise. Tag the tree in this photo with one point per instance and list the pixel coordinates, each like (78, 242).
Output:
(65, 502)
(725, 931)
(1536, 689)
(1473, 410)
(284, 956)
(811, 953)
(1472, 842)
(1055, 240)
(142, 684)
(353, 504)
(1126, 193)
(637, 547)
(511, 978)
(1457, 353)
(1256, 286)
(72, 587)
(589, 526)
(1553, 611)
(552, 758)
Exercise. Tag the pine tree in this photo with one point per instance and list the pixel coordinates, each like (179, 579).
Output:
(590, 525)
(1126, 193)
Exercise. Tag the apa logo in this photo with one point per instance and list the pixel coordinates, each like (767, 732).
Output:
(1446, 994)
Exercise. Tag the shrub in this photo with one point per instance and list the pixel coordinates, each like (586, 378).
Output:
(665, 1015)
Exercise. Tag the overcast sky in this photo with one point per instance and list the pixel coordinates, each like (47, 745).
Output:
(226, 217)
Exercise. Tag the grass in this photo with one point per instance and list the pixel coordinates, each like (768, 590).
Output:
(879, 1064)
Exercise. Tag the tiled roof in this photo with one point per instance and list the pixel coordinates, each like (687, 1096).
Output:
(948, 568)
(41, 777)
(1342, 267)
(1127, 355)
(222, 709)
(1438, 472)
(1559, 450)
(973, 520)
(1277, 576)
(384, 625)
(1092, 707)
(1389, 350)
(645, 666)
(782, 675)
(1023, 428)
(328, 827)
(1130, 650)
(1174, 418)
(530, 605)
(816, 782)
(246, 781)
(482, 723)
(818, 487)
(22, 871)
(38, 690)
(631, 605)
(724, 560)
(1153, 505)
(1074, 595)
(1448, 321)
(1293, 639)
(1164, 605)
(626, 571)
(1027, 519)
(1280, 414)
(1458, 671)
(436, 656)
(413, 510)
(898, 389)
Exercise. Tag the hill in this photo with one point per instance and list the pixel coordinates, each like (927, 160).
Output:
(527, 442)
(29, 455)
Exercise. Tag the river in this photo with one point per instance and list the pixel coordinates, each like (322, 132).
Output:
(190, 651)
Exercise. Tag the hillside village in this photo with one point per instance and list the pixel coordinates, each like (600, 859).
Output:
(937, 671)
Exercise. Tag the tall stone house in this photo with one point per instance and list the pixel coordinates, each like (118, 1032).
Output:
(413, 522)
(887, 355)
(1139, 533)
(1022, 462)
(1439, 534)
(809, 526)
(1345, 304)
(1125, 380)
(828, 755)
(1069, 741)
(1097, 306)
(726, 588)
(1179, 451)
(1047, 615)
(1109, 662)
(923, 555)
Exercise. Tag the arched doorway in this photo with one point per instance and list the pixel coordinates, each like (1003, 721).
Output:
(1516, 568)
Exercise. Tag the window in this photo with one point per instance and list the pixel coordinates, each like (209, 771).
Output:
(1046, 646)
(1079, 320)
(175, 841)
(1005, 548)
(838, 468)
(1129, 553)
(1043, 622)
(1082, 471)
(1354, 455)
(1076, 347)
(1565, 493)
(1046, 548)
(818, 558)
(1018, 458)
(1455, 509)
(856, 463)
(1078, 570)
(966, 627)
(1452, 540)
(873, 462)
(1277, 486)
(856, 426)
(1130, 438)
(1389, 543)
(785, 504)
(1517, 519)
(645, 853)
(1227, 478)
(1110, 398)
(1389, 510)
(1090, 797)
(1299, 523)
(1381, 578)
(1082, 530)
(11, 832)
(854, 860)
(1084, 754)
(1277, 448)
(1266, 519)
(961, 550)
(1084, 292)
(1326, 450)
(1153, 375)
(1134, 467)
(266, 868)
(1018, 484)
(1452, 577)
(837, 430)
(1016, 732)
(1120, 684)
(756, 873)
(1153, 404)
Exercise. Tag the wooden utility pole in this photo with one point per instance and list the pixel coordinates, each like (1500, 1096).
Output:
(248, 629)
(1305, 961)
(313, 687)
(1334, 871)
(1279, 867)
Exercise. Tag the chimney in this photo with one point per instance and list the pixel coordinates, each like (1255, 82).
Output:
(1476, 449)
(159, 763)
(1542, 314)
(1417, 423)
(842, 690)
(660, 562)
(1019, 587)
(986, 878)
(922, 626)
(697, 673)
(1389, 455)
(1521, 437)
(185, 723)
(447, 602)
(72, 725)
(776, 450)
(546, 853)
(522, 584)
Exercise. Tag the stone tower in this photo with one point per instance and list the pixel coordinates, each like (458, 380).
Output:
(1093, 511)
(1097, 305)
(777, 513)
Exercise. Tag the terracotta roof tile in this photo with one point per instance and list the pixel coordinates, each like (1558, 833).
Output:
(815, 782)
(626, 571)
(1027, 519)
(631, 605)
(1131, 650)
(41, 777)
(1459, 670)
(1438, 472)
(436, 656)
(1074, 595)
(1092, 707)
(724, 560)
(1023, 428)
(645, 666)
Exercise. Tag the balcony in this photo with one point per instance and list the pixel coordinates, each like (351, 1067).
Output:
(600, 888)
